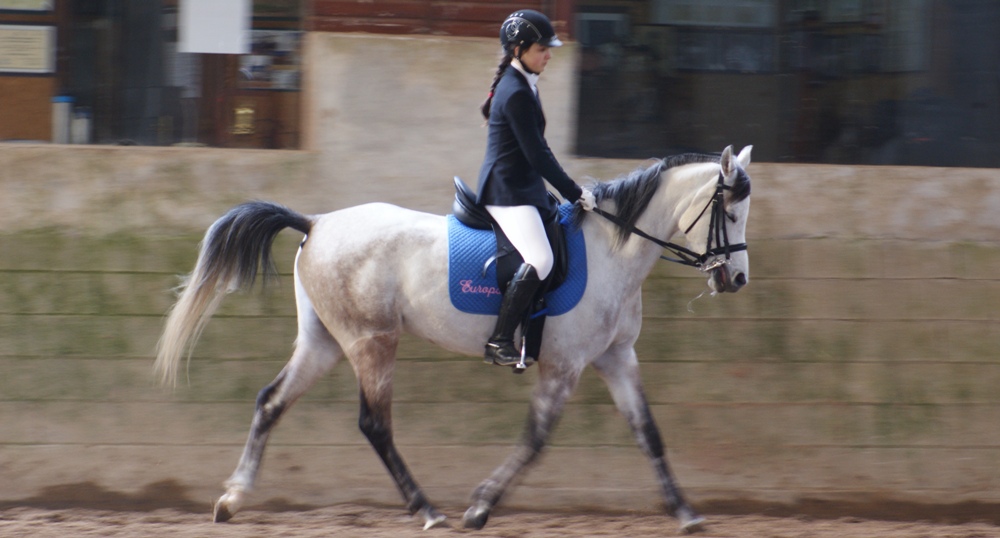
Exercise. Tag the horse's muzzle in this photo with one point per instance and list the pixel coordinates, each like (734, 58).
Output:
(722, 280)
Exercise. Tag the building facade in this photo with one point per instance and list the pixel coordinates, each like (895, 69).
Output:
(845, 81)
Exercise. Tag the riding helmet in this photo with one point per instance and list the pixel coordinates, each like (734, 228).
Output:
(527, 26)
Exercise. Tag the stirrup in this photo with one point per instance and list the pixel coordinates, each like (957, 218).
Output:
(523, 364)
(494, 356)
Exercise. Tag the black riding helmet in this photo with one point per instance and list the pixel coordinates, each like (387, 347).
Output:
(527, 26)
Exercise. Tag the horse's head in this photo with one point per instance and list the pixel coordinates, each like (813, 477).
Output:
(715, 223)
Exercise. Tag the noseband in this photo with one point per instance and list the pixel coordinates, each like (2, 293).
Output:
(717, 234)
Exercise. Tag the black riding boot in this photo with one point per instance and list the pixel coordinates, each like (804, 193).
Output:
(500, 348)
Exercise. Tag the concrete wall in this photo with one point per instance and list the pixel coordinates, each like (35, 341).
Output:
(859, 364)
(405, 110)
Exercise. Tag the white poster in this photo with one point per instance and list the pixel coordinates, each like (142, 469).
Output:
(215, 26)
(27, 49)
(27, 5)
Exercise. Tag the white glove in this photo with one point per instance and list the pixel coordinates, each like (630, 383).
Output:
(587, 200)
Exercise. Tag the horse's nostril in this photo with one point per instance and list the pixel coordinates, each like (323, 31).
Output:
(740, 280)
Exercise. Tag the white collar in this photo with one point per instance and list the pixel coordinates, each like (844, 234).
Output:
(532, 78)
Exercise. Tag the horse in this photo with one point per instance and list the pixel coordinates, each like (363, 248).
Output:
(365, 274)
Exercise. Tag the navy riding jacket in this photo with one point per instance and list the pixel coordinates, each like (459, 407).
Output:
(517, 155)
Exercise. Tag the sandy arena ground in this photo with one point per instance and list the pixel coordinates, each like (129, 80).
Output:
(352, 520)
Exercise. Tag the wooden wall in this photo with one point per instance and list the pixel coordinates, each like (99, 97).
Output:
(476, 18)
(27, 108)
(858, 366)
(27, 99)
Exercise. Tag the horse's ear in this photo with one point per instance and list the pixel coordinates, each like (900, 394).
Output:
(726, 161)
(744, 157)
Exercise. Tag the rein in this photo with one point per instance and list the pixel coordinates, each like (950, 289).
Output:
(717, 233)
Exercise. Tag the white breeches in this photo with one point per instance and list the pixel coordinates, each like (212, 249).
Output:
(523, 226)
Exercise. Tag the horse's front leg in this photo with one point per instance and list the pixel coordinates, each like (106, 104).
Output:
(555, 385)
(619, 368)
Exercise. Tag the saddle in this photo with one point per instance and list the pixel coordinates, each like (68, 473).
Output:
(508, 259)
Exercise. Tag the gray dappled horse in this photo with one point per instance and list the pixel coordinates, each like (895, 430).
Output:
(366, 274)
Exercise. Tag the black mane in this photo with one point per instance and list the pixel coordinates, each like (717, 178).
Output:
(632, 192)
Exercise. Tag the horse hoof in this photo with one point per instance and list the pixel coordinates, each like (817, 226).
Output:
(432, 518)
(227, 506)
(475, 517)
(221, 514)
(692, 523)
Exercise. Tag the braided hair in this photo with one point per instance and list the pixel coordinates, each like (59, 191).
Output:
(508, 56)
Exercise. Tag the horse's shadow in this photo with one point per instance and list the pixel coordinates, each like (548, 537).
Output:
(165, 494)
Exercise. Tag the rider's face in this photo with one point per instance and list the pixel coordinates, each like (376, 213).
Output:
(536, 57)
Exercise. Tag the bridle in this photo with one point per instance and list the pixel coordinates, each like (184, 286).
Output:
(717, 234)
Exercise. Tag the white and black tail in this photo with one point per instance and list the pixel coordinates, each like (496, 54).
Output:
(233, 250)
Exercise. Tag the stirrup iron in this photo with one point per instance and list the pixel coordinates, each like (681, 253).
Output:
(520, 367)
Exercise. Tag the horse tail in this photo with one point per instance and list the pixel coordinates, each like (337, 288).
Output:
(231, 252)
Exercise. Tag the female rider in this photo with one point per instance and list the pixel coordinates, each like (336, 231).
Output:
(511, 185)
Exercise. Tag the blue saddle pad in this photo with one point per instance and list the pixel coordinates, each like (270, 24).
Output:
(475, 293)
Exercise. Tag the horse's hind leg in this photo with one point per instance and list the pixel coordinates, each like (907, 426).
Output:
(315, 354)
(555, 385)
(374, 359)
(619, 368)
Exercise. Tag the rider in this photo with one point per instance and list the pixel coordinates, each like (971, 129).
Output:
(511, 185)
